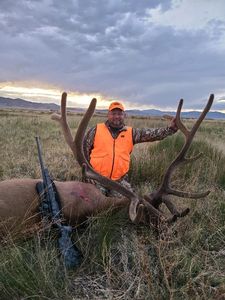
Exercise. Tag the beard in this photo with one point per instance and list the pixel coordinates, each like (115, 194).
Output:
(116, 124)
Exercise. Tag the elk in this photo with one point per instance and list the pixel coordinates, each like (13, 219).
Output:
(19, 200)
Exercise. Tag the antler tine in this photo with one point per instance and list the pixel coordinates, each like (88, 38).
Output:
(203, 114)
(175, 213)
(181, 155)
(187, 194)
(78, 140)
(171, 207)
(63, 122)
(189, 134)
(179, 124)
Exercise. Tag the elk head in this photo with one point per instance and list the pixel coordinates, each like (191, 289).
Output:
(151, 203)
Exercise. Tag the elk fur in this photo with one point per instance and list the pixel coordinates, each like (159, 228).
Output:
(19, 202)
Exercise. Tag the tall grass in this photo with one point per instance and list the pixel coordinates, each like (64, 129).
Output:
(121, 260)
(31, 269)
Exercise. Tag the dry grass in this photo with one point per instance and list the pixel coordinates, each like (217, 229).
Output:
(121, 260)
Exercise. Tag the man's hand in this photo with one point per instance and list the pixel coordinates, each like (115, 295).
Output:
(173, 124)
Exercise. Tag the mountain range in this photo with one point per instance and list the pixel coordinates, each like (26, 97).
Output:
(24, 104)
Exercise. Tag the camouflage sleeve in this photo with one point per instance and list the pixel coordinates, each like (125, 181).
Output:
(141, 135)
(89, 142)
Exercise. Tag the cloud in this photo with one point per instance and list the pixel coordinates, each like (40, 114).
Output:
(147, 53)
(188, 15)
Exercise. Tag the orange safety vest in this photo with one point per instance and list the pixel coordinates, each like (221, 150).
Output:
(111, 157)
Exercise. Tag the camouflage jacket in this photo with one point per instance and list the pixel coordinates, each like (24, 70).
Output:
(140, 135)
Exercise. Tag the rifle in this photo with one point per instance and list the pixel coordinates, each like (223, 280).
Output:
(50, 210)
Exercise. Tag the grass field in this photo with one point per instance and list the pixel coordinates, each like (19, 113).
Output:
(121, 260)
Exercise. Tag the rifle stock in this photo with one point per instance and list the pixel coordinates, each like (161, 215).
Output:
(50, 209)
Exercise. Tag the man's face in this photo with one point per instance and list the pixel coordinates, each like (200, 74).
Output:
(116, 118)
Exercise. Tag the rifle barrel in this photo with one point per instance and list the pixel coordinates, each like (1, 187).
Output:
(40, 156)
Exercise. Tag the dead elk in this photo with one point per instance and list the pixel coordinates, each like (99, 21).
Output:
(19, 200)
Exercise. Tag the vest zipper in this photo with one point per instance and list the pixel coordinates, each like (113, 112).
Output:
(114, 142)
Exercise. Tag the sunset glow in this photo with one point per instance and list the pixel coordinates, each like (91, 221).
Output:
(42, 92)
(48, 94)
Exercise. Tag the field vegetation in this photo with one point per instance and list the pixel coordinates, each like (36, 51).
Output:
(121, 260)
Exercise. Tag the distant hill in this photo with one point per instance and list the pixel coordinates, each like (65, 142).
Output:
(189, 114)
(20, 103)
(24, 104)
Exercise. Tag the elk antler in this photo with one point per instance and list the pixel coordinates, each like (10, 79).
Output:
(161, 195)
(76, 146)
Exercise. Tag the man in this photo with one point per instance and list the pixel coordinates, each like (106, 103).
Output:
(108, 146)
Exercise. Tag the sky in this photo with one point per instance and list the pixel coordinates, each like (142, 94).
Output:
(145, 53)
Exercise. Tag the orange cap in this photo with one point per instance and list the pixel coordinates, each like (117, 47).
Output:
(115, 104)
